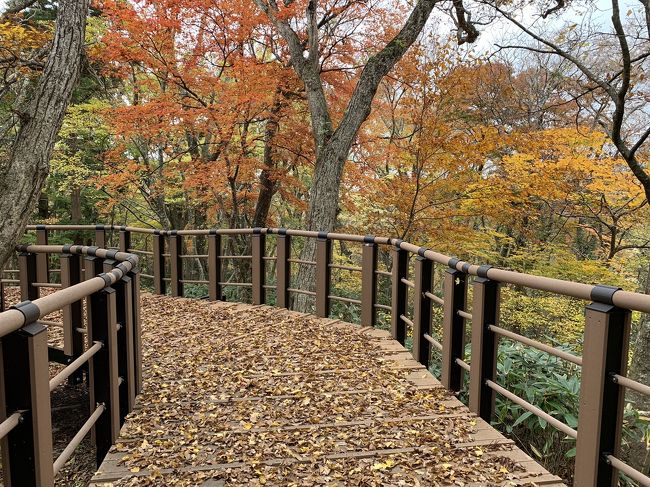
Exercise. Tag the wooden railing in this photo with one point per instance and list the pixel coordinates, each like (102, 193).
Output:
(606, 333)
(108, 357)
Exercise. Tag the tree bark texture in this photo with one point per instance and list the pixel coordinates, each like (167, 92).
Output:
(23, 172)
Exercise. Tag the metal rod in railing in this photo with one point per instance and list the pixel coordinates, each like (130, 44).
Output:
(194, 256)
(47, 285)
(463, 365)
(58, 379)
(436, 344)
(556, 423)
(631, 384)
(346, 268)
(138, 251)
(270, 286)
(78, 438)
(383, 273)
(535, 344)
(436, 299)
(406, 320)
(239, 284)
(299, 261)
(629, 471)
(142, 274)
(9, 424)
(407, 282)
(382, 306)
(194, 281)
(464, 314)
(10, 281)
(345, 300)
(226, 257)
(301, 291)
(269, 257)
(51, 323)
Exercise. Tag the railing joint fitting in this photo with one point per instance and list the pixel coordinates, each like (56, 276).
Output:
(604, 294)
(483, 270)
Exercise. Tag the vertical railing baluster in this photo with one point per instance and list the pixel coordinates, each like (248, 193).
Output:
(606, 344)
(42, 259)
(368, 281)
(103, 369)
(258, 268)
(176, 263)
(100, 236)
(485, 344)
(422, 309)
(323, 274)
(137, 328)
(125, 240)
(398, 294)
(214, 266)
(125, 346)
(453, 327)
(25, 383)
(283, 268)
(28, 270)
(73, 340)
(159, 283)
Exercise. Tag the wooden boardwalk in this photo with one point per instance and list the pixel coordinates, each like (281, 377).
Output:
(253, 395)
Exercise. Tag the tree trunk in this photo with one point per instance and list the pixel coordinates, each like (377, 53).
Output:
(27, 165)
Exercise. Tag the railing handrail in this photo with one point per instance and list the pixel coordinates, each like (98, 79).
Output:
(13, 319)
(624, 299)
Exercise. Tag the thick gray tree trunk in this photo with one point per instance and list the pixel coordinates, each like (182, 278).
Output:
(23, 171)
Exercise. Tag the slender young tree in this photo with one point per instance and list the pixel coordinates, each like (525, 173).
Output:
(24, 168)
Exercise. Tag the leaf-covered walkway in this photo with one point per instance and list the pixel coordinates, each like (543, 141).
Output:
(254, 395)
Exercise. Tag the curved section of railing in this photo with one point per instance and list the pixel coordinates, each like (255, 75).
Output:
(606, 334)
(108, 358)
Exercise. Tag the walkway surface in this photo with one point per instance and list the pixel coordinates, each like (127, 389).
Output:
(253, 395)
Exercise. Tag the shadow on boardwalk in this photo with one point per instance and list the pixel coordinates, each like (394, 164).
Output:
(252, 395)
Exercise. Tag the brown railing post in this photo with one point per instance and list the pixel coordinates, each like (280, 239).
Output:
(323, 274)
(103, 369)
(42, 264)
(73, 341)
(485, 344)
(125, 240)
(606, 342)
(176, 263)
(398, 295)
(25, 381)
(283, 268)
(214, 266)
(453, 327)
(422, 311)
(100, 236)
(137, 328)
(368, 281)
(28, 270)
(258, 241)
(159, 283)
(125, 345)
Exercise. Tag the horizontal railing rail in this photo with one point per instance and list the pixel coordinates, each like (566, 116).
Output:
(109, 281)
(412, 299)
